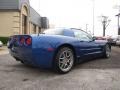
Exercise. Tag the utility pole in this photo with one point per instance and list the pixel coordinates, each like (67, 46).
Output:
(105, 22)
(93, 11)
(86, 27)
(118, 15)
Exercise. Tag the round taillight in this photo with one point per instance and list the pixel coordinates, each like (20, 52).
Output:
(22, 40)
(15, 38)
(28, 41)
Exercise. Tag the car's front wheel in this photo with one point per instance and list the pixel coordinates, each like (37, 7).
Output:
(107, 52)
(64, 60)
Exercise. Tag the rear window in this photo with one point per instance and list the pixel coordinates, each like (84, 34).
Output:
(53, 32)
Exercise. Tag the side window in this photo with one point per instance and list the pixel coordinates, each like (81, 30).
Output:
(82, 36)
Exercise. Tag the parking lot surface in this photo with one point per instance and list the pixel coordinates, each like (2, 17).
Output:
(99, 74)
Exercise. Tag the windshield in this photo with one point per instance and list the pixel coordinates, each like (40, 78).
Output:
(80, 35)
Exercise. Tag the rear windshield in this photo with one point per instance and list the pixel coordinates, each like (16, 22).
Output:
(53, 32)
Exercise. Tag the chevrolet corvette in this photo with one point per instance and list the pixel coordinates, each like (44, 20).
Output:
(59, 48)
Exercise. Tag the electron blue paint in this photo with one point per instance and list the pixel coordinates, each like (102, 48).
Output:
(42, 50)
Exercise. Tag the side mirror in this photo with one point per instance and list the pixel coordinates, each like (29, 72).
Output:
(94, 38)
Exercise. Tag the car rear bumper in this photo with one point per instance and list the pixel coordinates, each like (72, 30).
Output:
(35, 57)
(21, 53)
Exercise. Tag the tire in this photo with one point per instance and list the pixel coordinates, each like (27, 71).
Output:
(22, 62)
(107, 51)
(17, 59)
(64, 60)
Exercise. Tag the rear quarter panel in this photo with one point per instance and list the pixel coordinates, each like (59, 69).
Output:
(42, 42)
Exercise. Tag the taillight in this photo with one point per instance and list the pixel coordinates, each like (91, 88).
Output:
(15, 39)
(22, 40)
(28, 41)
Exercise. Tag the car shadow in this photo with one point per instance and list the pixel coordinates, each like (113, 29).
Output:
(102, 63)
(99, 63)
(19, 67)
(96, 63)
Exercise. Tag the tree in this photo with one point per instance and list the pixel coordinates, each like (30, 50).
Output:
(105, 23)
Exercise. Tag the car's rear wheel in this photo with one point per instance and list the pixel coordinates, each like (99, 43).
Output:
(107, 52)
(64, 60)
(22, 62)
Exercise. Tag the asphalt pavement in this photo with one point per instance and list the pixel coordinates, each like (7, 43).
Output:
(99, 74)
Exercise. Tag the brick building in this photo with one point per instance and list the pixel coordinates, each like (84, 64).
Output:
(18, 17)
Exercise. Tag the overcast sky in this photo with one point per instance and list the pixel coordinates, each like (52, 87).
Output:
(78, 13)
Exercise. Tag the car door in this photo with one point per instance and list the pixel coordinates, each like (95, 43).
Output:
(86, 45)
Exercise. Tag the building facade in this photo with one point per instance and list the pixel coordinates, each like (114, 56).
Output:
(18, 17)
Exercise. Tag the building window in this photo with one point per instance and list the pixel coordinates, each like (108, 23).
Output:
(34, 29)
(24, 24)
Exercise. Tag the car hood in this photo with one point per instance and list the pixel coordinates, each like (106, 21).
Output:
(101, 41)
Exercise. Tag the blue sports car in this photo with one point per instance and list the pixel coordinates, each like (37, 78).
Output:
(59, 48)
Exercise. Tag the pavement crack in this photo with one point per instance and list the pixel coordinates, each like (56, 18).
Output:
(25, 79)
(12, 70)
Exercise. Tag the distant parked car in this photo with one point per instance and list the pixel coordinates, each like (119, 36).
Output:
(114, 40)
(118, 41)
(1, 44)
(100, 38)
